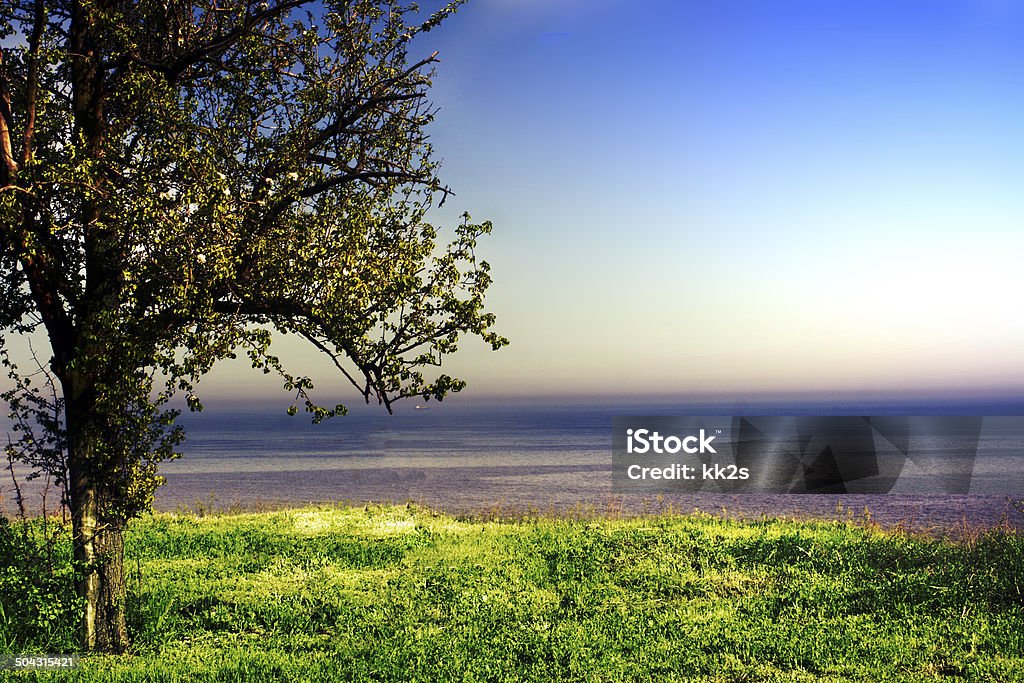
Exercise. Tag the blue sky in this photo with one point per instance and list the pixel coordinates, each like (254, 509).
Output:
(742, 197)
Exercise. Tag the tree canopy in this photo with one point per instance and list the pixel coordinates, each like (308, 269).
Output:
(179, 181)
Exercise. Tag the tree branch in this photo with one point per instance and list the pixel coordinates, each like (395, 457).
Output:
(32, 84)
(357, 111)
(43, 287)
(292, 309)
(362, 389)
(220, 43)
(8, 166)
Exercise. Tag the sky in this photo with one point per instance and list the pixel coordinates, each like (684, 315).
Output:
(732, 198)
(738, 198)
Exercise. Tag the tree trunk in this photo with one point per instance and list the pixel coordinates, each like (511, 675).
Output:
(99, 556)
(98, 542)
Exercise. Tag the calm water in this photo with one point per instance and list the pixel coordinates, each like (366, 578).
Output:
(472, 460)
(476, 460)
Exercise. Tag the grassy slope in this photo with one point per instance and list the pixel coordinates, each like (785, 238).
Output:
(394, 593)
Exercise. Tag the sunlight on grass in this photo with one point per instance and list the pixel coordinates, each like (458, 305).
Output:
(403, 593)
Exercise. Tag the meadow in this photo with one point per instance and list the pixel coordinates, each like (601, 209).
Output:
(401, 593)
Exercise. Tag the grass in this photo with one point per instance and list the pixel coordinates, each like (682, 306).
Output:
(401, 593)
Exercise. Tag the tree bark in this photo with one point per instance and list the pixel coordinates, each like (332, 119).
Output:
(99, 555)
(97, 536)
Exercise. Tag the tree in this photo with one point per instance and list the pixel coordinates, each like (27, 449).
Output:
(180, 179)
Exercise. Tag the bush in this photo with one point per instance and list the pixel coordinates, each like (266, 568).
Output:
(39, 609)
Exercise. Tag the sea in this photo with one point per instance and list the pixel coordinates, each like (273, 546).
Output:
(493, 460)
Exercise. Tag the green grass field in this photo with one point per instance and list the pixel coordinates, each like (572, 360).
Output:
(400, 593)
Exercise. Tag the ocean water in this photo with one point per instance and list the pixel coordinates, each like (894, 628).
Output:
(460, 460)
(489, 460)
(492, 459)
